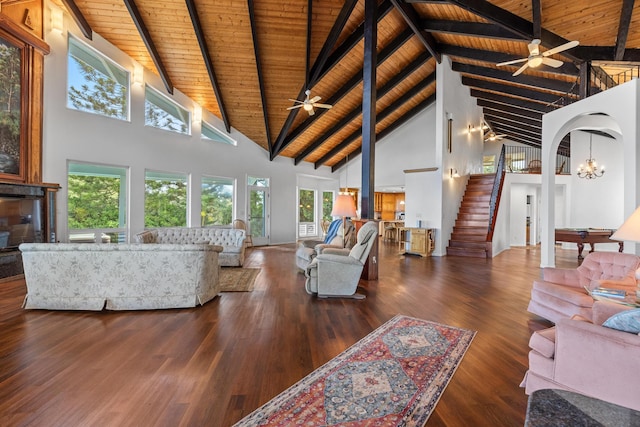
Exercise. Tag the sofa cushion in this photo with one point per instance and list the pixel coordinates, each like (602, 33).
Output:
(626, 321)
(564, 293)
(544, 341)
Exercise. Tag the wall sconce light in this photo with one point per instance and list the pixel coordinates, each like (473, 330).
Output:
(57, 20)
(449, 131)
(138, 75)
(453, 173)
(197, 113)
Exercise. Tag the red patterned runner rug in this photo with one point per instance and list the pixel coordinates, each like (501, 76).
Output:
(392, 377)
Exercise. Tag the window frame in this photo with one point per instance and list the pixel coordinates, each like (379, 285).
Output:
(233, 183)
(219, 136)
(163, 175)
(170, 103)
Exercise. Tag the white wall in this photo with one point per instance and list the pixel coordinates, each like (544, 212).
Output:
(73, 135)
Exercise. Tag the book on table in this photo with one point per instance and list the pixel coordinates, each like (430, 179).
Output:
(607, 292)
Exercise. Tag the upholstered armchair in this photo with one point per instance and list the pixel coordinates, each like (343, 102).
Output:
(582, 355)
(561, 292)
(336, 272)
(309, 249)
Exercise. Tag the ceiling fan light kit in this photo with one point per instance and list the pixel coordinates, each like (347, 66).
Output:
(309, 103)
(536, 59)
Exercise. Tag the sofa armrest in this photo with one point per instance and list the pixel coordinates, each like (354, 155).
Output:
(597, 361)
(335, 251)
(321, 247)
(562, 276)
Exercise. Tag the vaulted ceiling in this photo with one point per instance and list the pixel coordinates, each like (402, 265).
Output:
(243, 60)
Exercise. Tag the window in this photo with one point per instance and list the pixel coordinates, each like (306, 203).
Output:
(488, 164)
(211, 133)
(96, 203)
(306, 213)
(95, 84)
(216, 201)
(162, 113)
(327, 205)
(165, 200)
(257, 182)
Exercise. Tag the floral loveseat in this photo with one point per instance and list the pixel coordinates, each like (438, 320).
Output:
(77, 276)
(232, 240)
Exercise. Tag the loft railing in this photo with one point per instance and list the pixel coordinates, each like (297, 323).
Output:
(495, 193)
(608, 76)
(519, 159)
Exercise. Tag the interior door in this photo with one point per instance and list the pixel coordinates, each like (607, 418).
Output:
(258, 214)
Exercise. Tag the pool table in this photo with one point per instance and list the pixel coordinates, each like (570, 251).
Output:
(586, 235)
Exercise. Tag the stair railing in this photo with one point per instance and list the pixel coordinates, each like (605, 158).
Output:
(495, 194)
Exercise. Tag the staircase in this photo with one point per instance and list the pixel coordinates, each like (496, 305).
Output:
(469, 236)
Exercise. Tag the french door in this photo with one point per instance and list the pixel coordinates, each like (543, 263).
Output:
(258, 211)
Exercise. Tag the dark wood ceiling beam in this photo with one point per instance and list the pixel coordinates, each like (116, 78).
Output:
(524, 80)
(495, 57)
(412, 19)
(354, 81)
(511, 109)
(510, 90)
(513, 118)
(321, 60)
(469, 29)
(256, 53)
(509, 100)
(525, 130)
(536, 12)
(79, 18)
(423, 84)
(350, 42)
(396, 124)
(564, 148)
(148, 41)
(351, 115)
(204, 49)
(623, 29)
(514, 23)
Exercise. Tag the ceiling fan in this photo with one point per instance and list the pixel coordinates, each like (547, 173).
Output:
(535, 58)
(309, 103)
(491, 136)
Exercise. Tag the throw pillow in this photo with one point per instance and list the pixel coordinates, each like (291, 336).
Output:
(627, 321)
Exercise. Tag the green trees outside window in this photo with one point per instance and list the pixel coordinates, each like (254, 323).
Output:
(216, 201)
(165, 201)
(307, 206)
(327, 205)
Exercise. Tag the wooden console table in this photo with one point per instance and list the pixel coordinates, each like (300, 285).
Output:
(413, 240)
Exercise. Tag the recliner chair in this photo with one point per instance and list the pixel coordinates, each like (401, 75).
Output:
(336, 272)
(309, 249)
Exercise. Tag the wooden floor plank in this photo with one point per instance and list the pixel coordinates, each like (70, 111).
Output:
(214, 364)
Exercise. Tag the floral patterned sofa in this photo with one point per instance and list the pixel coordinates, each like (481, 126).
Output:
(77, 276)
(232, 240)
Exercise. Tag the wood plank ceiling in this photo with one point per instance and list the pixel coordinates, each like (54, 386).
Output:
(243, 60)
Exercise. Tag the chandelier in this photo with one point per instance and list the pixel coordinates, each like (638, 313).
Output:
(591, 170)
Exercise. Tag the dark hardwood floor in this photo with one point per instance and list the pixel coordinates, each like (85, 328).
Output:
(212, 365)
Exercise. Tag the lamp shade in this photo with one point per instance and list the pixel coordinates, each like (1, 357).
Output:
(630, 229)
(344, 205)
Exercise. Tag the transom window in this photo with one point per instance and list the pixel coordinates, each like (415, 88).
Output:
(165, 200)
(95, 84)
(162, 113)
(211, 133)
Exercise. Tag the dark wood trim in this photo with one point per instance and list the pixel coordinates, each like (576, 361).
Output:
(623, 29)
(585, 80)
(79, 18)
(256, 53)
(536, 12)
(513, 118)
(534, 95)
(412, 19)
(148, 41)
(496, 106)
(469, 29)
(509, 100)
(369, 99)
(202, 42)
(23, 35)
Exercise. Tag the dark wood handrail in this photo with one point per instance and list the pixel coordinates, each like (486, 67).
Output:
(495, 195)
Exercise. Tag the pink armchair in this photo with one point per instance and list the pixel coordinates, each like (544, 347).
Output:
(561, 292)
(585, 357)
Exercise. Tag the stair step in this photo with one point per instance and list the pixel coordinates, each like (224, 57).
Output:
(473, 216)
(467, 244)
(464, 252)
(469, 237)
(484, 225)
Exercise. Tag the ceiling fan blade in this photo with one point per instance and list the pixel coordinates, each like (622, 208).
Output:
(295, 100)
(315, 99)
(515, 61)
(521, 69)
(551, 62)
(294, 107)
(561, 48)
(534, 47)
(322, 105)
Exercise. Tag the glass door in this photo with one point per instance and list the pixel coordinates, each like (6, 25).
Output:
(258, 210)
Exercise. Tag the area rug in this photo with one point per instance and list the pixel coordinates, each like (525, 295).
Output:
(234, 279)
(392, 377)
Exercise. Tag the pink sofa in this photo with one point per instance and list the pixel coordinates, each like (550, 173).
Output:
(561, 292)
(582, 356)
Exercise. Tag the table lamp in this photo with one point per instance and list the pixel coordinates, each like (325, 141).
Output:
(630, 231)
(344, 206)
